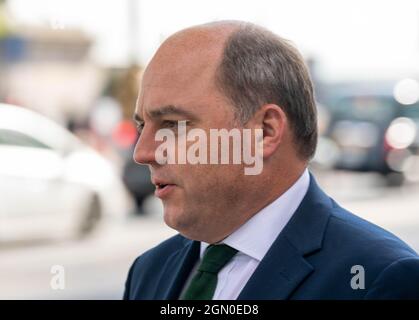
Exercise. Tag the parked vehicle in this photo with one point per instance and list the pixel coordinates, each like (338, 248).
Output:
(373, 131)
(51, 184)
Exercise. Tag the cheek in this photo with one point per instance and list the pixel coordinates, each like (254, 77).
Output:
(206, 182)
(197, 178)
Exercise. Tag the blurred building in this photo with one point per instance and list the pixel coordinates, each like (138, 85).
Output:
(49, 70)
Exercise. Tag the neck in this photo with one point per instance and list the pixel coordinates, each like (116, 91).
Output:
(259, 196)
(278, 182)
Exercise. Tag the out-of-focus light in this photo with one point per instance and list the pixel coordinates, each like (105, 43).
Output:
(406, 91)
(396, 159)
(401, 133)
(411, 168)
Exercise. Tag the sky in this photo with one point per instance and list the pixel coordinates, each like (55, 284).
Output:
(349, 39)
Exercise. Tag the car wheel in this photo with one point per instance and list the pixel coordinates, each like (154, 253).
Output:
(395, 179)
(91, 218)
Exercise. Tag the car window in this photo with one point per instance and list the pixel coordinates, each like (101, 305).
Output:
(372, 108)
(15, 138)
(410, 111)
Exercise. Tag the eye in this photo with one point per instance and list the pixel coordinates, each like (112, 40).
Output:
(139, 126)
(169, 124)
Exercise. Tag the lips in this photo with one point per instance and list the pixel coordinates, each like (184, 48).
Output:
(163, 191)
(161, 183)
(163, 187)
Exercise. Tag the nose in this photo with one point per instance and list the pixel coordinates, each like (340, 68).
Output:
(144, 152)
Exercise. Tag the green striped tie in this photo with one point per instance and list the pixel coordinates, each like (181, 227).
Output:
(203, 284)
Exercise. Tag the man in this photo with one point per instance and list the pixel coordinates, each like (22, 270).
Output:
(272, 235)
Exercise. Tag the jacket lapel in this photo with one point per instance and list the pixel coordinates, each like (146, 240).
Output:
(284, 267)
(176, 271)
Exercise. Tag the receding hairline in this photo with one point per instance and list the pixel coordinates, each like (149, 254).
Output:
(209, 36)
(224, 27)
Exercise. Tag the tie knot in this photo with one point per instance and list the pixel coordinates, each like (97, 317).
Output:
(216, 257)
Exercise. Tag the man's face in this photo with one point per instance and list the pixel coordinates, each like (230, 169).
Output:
(200, 199)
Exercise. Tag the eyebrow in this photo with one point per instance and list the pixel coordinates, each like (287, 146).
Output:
(167, 110)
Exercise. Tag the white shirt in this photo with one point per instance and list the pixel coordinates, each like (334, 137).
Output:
(253, 240)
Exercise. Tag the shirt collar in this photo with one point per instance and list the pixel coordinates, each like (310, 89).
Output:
(255, 236)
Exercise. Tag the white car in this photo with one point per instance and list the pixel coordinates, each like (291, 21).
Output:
(51, 184)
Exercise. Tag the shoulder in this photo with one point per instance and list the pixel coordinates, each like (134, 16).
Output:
(399, 280)
(353, 232)
(391, 266)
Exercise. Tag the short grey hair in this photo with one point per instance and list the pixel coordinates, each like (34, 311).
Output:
(259, 67)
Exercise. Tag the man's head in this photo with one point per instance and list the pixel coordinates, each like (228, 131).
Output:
(226, 75)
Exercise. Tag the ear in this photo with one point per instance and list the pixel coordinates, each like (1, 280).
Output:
(273, 121)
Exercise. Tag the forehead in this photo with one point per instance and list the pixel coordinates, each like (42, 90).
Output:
(183, 71)
(187, 81)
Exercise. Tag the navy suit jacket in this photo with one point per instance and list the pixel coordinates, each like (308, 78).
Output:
(312, 258)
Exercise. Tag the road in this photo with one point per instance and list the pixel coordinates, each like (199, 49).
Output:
(96, 267)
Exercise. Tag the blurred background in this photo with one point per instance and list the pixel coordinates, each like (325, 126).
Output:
(70, 193)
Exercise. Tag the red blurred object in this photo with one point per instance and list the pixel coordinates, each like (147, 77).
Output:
(124, 134)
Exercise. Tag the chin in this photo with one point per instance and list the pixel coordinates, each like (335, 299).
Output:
(174, 217)
(180, 221)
